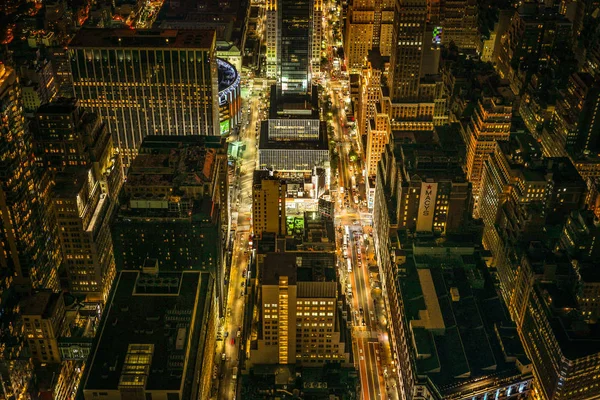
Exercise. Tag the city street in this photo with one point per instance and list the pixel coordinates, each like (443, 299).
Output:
(233, 345)
(371, 346)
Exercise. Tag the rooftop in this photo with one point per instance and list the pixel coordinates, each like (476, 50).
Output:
(61, 105)
(576, 338)
(41, 303)
(428, 159)
(144, 38)
(266, 144)
(299, 267)
(453, 308)
(174, 161)
(150, 320)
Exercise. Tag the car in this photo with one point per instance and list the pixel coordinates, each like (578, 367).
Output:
(228, 313)
(361, 310)
(226, 334)
(243, 283)
(232, 341)
(360, 351)
(223, 356)
(362, 358)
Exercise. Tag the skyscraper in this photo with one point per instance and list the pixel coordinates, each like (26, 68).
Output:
(29, 252)
(147, 82)
(490, 122)
(172, 209)
(298, 314)
(459, 23)
(271, 34)
(316, 38)
(27, 238)
(368, 26)
(268, 205)
(574, 126)
(294, 46)
(87, 175)
(407, 52)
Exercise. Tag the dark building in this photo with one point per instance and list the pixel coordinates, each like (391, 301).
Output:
(580, 236)
(171, 208)
(294, 46)
(535, 33)
(459, 336)
(160, 323)
(434, 194)
(550, 295)
(147, 82)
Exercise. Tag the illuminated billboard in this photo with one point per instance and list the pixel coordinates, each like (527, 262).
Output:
(436, 39)
(224, 127)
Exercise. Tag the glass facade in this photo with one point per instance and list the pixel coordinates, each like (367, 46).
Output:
(295, 46)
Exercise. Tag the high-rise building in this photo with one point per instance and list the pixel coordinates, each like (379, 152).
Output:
(43, 319)
(573, 127)
(490, 122)
(369, 25)
(77, 147)
(454, 344)
(407, 49)
(534, 33)
(294, 46)
(271, 33)
(435, 354)
(378, 136)
(316, 39)
(293, 138)
(581, 236)
(27, 236)
(147, 82)
(29, 248)
(545, 278)
(171, 207)
(459, 24)
(434, 194)
(521, 189)
(298, 312)
(268, 205)
(157, 338)
(370, 89)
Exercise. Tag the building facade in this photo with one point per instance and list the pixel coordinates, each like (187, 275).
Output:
(268, 205)
(294, 45)
(28, 236)
(490, 122)
(369, 24)
(76, 146)
(43, 317)
(407, 49)
(153, 82)
(172, 207)
(298, 313)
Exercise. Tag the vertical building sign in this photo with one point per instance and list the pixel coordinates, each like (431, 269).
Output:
(426, 206)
